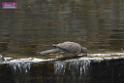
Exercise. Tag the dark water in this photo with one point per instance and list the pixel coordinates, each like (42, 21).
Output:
(36, 24)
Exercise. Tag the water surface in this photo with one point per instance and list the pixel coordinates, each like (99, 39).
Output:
(36, 24)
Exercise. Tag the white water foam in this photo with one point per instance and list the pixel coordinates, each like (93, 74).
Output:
(59, 67)
(22, 67)
(80, 66)
(73, 66)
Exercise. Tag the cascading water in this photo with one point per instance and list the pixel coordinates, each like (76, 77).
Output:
(74, 71)
(80, 65)
(22, 67)
(83, 70)
(20, 70)
(59, 67)
(30, 70)
(62, 70)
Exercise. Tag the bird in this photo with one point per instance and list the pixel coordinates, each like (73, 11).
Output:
(67, 49)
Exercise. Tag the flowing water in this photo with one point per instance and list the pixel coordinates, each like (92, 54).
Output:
(22, 67)
(34, 70)
(83, 70)
(81, 66)
(36, 24)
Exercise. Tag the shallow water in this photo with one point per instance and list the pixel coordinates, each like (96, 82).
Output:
(36, 24)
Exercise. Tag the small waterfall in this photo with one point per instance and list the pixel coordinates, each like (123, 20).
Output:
(74, 66)
(82, 70)
(74, 71)
(79, 66)
(20, 67)
(20, 70)
(59, 67)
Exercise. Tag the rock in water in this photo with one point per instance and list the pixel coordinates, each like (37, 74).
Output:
(67, 49)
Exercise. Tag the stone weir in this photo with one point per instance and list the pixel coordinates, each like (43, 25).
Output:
(96, 68)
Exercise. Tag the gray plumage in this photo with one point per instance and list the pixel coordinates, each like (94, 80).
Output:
(67, 49)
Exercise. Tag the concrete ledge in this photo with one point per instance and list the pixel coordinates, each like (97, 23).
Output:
(98, 68)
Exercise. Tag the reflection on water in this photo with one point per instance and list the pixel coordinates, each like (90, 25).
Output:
(36, 24)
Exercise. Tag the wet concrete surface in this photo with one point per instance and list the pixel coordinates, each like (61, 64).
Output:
(91, 69)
